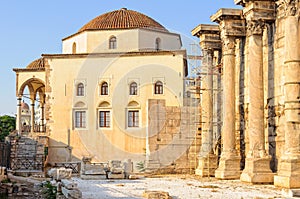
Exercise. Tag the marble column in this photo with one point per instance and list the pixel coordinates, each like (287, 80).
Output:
(42, 118)
(257, 165)
(289, 164)
(32, 115)
(209, 42)
(19, 112)
(232, 27)
(229, 165)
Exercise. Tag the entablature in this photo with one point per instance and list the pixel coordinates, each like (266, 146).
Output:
(231, 22)
(209, 36)
(260, 10)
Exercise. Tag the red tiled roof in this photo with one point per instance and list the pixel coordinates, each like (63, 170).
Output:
(36, 64)
(122, 19)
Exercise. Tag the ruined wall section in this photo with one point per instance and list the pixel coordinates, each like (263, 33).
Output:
(28, 153)
(174, 139)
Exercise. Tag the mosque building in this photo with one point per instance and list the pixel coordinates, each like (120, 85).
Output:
(111, 93)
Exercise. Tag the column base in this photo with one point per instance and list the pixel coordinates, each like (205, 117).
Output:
(207, 165)
(229, 168)
(257, 171)
(288, 174)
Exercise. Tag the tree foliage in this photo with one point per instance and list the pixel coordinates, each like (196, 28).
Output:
(7, 125)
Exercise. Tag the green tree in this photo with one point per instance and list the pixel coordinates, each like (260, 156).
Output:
(7, 125)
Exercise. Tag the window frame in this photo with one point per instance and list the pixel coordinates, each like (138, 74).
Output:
(158, 88)
(83, 119)
(133, 90)
(102, 90)
(112, 42)
(80, 89)
(107, 113)
(135, 122)
(157, 43)
(74, 48)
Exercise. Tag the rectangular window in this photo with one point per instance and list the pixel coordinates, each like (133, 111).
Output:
(133, 118)
(104, 118)
(80, 119)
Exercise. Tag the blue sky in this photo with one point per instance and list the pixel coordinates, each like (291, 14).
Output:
(31, 28)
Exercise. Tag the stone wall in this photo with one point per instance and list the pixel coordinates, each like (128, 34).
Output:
(27, 154)
(173, 137)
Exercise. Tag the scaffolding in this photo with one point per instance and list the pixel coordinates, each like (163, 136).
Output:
(196, 89)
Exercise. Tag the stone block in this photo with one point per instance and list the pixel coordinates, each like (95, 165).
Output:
(156, 195)
(229, 168)
(115, 175)
(289, 182)
(291, 192)
(60, 173)
(71, 193)
(135, 177)
(94, 169)
(207, 165)
(68, 184)
(93, 177)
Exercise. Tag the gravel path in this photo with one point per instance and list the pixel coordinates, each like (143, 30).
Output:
(179, 187)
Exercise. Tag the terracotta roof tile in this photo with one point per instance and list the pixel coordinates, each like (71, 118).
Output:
(36, 64)
(122, 19)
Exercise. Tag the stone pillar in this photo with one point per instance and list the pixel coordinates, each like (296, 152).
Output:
(289, 164)
(229, 166)
(32, 115)
(42, 117)
(231, 26)
(209, 41)
(18, 119)
(257, 165)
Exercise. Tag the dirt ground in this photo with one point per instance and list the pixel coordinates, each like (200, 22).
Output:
(178, 186)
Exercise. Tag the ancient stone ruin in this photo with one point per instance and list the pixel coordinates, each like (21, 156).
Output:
(254, 54)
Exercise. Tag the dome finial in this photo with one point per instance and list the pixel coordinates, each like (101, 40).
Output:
(123, 8)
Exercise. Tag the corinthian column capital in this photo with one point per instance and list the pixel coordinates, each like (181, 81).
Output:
(290, 7)
(228, 45)
(255, 27)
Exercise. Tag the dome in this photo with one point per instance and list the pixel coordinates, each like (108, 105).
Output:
(122, 19)
(36, 64)
(24, 106)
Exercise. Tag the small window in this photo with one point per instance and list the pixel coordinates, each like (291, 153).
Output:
(158, 87)
(104, 88)
(104, 118)
(133, 118)
(113, 42)
(74, 48)
(80, 89)
(157, 44)
(133, 88)
(80, 119)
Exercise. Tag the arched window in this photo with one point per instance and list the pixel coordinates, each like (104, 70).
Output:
(80, 89)
(133, 88)
(74, 48)
(104, 88)
(157, 44)
(113, 42)
(158, 87)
